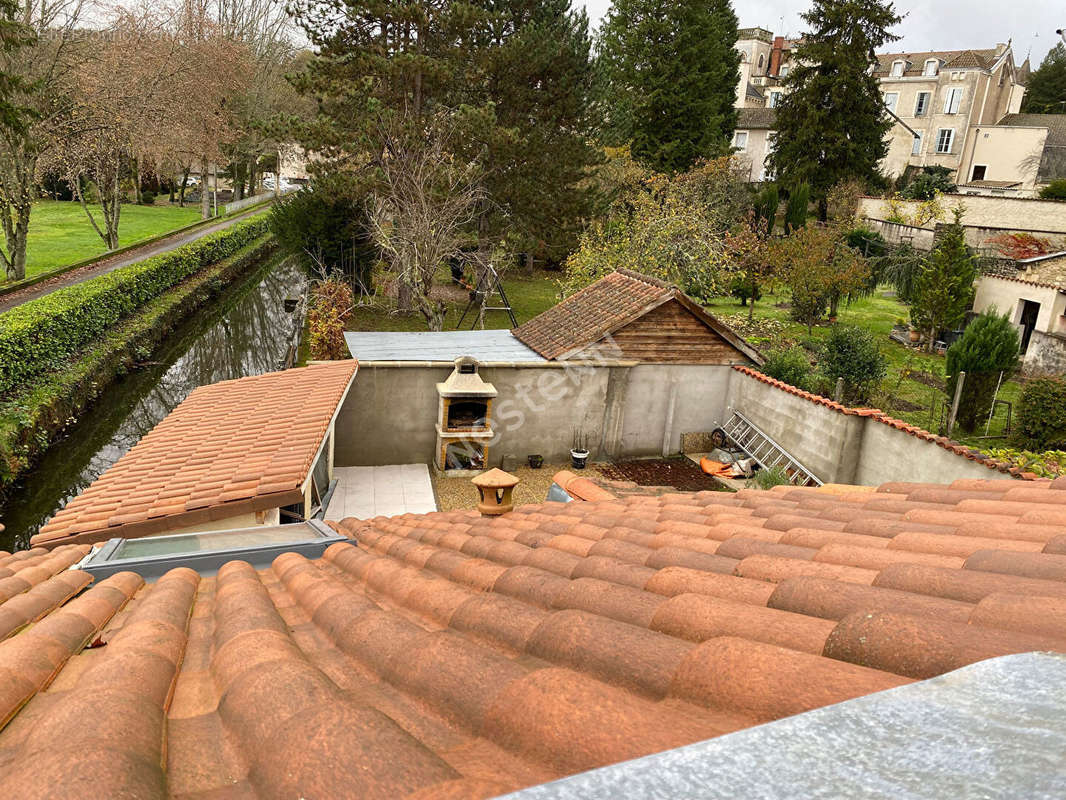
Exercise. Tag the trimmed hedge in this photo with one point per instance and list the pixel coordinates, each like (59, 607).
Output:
(40, 336)
(1041, 414)
(37, 415)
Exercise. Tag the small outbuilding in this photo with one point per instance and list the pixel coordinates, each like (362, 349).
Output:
(625, 365)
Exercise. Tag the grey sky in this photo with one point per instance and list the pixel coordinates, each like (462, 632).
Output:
(929, 25)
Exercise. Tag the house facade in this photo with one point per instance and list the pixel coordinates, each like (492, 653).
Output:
(954, 108)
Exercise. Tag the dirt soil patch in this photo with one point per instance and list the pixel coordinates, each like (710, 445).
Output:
(928, 378)
(679, 473)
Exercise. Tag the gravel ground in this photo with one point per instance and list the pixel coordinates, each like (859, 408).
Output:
(459, 493)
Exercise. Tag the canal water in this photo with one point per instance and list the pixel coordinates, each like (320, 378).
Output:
(246, 331)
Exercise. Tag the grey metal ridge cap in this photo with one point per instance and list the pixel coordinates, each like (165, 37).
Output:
(993, 729)
(503, 364)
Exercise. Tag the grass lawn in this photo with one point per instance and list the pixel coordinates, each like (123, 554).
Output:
(877, 313)
(60, 233)
(529, 295)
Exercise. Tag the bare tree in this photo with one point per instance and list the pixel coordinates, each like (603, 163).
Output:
(424, 203)
(43, 69)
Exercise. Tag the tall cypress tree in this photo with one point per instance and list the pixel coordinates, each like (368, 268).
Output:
(670, 70)
(831, 122)
(1046, 92)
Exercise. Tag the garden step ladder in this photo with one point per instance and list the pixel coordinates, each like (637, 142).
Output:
(767, 453)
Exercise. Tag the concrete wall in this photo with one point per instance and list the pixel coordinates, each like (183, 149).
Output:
(634, 410)
(986, 216)
(1046, 354)
(888, 454)
(846, 448)
(920, 238)
(825, 441)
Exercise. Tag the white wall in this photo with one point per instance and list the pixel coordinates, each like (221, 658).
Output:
(1007, 296)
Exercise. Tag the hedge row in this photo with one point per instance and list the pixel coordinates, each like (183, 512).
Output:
(35, 416)
(40, 336)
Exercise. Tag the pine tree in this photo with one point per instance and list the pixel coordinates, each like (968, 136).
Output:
(1046, 92)
(831, 121)
(987, 352)
(943, 287)
(538, 78)
(670, 69)
(796, 208)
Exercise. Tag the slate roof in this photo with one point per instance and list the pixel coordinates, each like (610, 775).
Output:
(459, 656)
(756, 118)
(615, 300)
(229, 448)
(949, 59)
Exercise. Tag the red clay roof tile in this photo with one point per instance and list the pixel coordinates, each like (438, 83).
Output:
(212, 450)
(597, 631)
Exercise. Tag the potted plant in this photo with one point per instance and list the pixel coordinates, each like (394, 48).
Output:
(915, 335)
(535, 462)
(579, 453)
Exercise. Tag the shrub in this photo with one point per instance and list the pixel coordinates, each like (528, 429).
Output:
(331, 301)
(790, 366)
(852, 354)
(988, 347)
(929, 183)
(39, 336)
(1056, 190)
(147, 198)
(1041, 414)
(768, 478)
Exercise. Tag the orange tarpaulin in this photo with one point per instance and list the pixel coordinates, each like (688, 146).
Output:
(716, 468)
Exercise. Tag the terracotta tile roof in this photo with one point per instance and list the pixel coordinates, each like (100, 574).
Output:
(877, 415)
(601, 308)
(454, 655)
(228, 448)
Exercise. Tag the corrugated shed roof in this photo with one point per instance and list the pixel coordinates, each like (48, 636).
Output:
(248, 441)
(454, 655)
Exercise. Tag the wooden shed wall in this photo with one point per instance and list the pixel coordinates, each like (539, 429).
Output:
(671, 334)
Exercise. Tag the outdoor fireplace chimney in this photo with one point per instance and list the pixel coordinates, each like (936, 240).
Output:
(463, 420)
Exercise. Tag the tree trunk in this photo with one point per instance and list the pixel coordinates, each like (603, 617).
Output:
(253, 178)
(137, 181)
(205, 197)
(184, 183)
(404, 296)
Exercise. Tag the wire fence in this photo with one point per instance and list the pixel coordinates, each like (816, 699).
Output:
(918, 395)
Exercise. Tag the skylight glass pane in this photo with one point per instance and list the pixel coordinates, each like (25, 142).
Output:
(213, 541)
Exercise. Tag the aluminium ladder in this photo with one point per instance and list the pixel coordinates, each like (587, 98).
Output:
(767, 453)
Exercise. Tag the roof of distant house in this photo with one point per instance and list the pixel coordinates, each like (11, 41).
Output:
(582, 323)
(229, 448)
(949, 59)
(455, 655)
(756, 118)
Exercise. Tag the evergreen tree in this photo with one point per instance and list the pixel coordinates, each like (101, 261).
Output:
(1046, 92)
(539, 79)
(987, 352)
(796, 208)
(670, 70)
(943, 287)
(831, 121)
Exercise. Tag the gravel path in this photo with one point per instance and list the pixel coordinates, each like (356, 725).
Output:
(9, 301)
(454, 494)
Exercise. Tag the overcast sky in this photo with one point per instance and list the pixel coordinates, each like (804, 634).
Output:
(929, 25)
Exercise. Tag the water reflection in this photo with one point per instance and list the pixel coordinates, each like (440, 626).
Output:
(245, 333)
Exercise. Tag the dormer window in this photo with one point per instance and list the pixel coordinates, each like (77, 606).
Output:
(783, 72)
(897, 69)
(932, 67)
